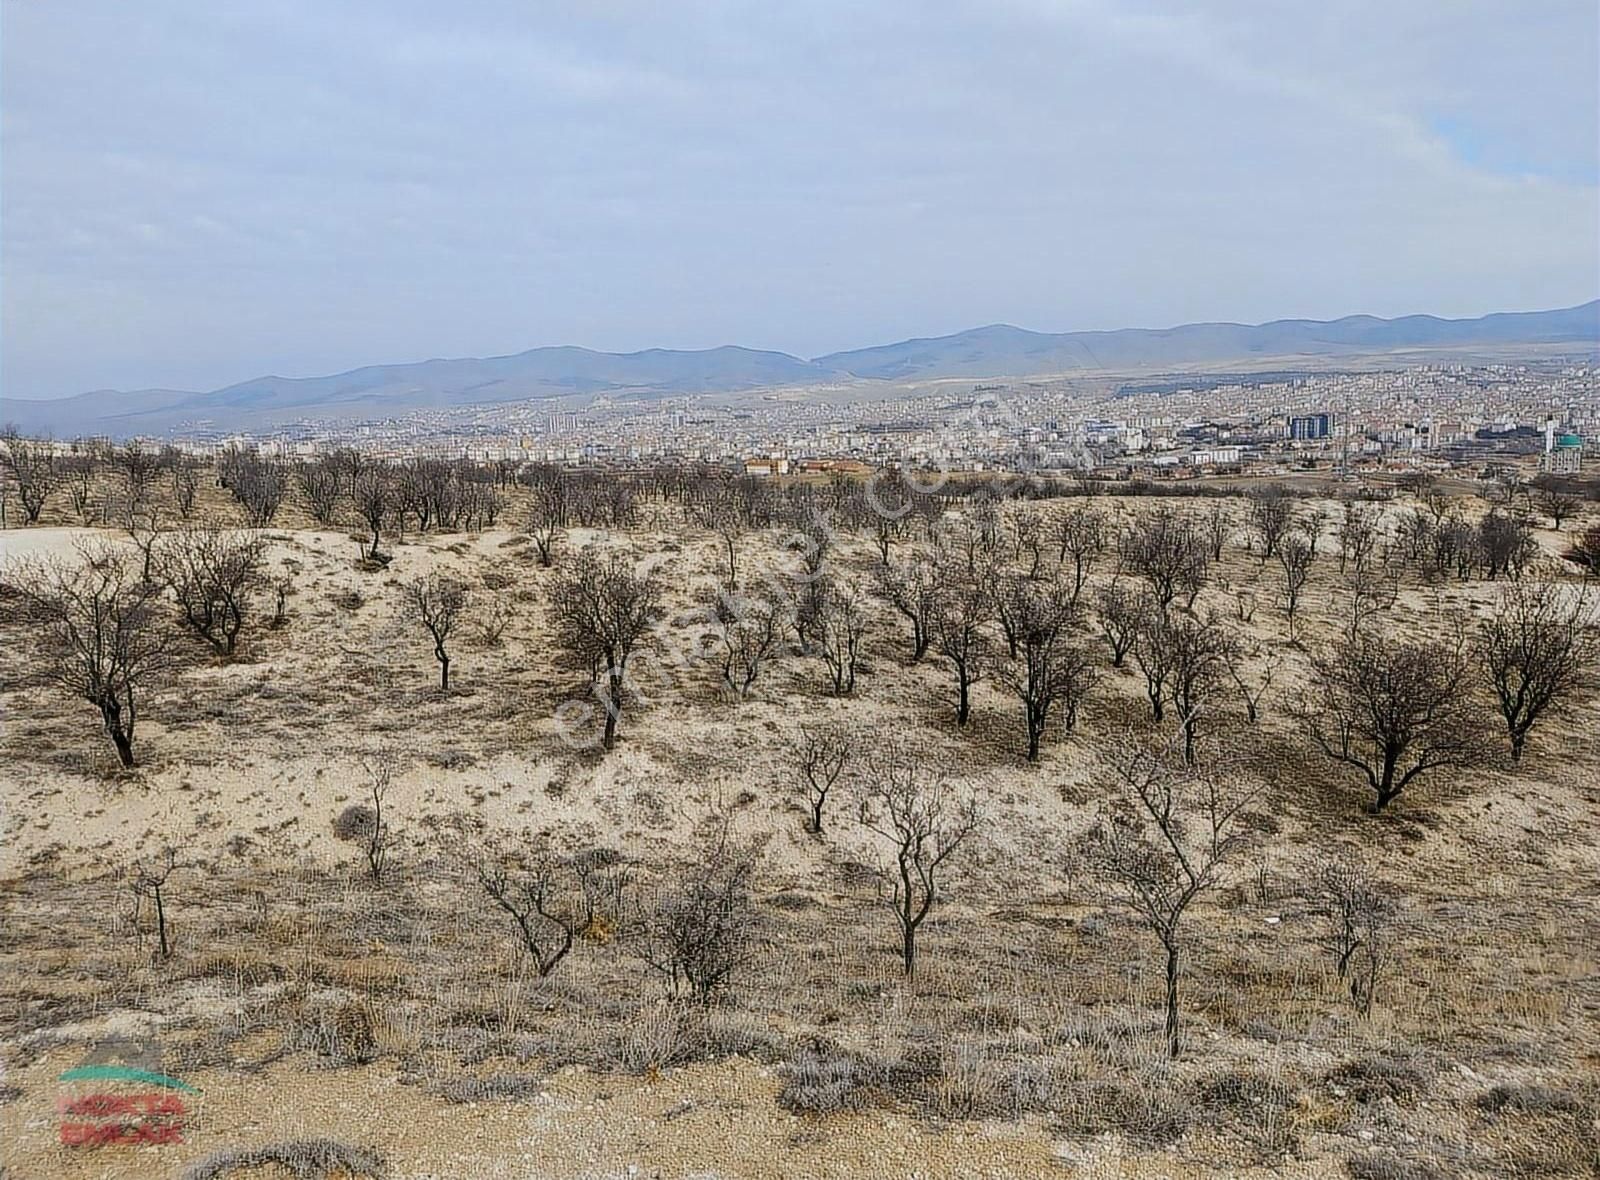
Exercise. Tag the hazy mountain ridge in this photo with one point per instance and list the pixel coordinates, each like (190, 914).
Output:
(997, 350)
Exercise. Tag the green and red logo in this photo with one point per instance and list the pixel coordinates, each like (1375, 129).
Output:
(122, 1101)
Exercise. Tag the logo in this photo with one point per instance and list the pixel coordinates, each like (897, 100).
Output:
(119, 1095)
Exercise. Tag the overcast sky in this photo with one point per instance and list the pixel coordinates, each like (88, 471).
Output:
(199, 192)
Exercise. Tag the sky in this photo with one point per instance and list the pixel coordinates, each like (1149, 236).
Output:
(196, 192)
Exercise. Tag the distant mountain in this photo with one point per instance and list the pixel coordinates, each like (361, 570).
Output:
(1003, 351)
(996, 351)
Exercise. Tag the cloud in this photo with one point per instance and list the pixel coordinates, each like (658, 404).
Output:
(195, 194)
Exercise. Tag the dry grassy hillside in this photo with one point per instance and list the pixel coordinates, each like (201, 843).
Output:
(402, 1017)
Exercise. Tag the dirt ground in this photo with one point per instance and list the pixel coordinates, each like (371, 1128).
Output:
(245, 764)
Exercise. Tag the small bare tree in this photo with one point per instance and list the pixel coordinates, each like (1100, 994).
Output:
(322, 483)
(212, 573)
(378, 835)
(1558, 504)
(438, 602)
(1394, 709)
(34, 469)
(1539, 649)
(924, 822)
(107, 637)
(603, 610)
(546, 521)
(1252, 686)
(749, 632)
(1163, 845)
(1080, 539)
(150, 881)
(553, 899)
(961, 611)
(1050, 667)
(1359, 913)
(697, 929)
(840, 632)
(1295, 554)
(912, 590)
(1271, 516)
(372, 491)
(823, 756)
(1122, 612)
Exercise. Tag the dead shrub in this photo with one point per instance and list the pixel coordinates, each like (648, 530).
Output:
(1152, 1115)
(1371, 1079)
(1381, 1166)
(304, 1159)
(823, 1079)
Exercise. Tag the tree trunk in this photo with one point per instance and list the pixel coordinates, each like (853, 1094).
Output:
(963, 704)
(1172, 1001)
(908, 950)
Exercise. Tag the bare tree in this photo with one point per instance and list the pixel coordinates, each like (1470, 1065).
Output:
(1369, 589)
(603, 610)
(924, 822)
(1539, 649)
(438, 602)
(378, 836)
(258, 483)
(1359, 913)
(723, 513)
(33, 468)
(1295, 554)
(1218, 527)
(840, 632)
(546, 522)
(1165, 548)
(1050, 667)
(138, 469)
(212, 572)
(748, 632)
(323, 484)
(1080, 537)
(962, 608)
(79, 468)
(1505, 543)
(697, 930)
(1271, 515)
(1121, 613)
(1252, 687)
(372, 491)
(185, 484)
(823, 756)
(106, 635)
(151, 881)
(1358, 532)
(553, 899)
(912, 590)
(1162, 846)
(1556, 503)
(1394, 709)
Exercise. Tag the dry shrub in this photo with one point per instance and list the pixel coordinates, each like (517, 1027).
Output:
(1371, 1079)
(499, 1087)
(823, 1079)
(1152, 1115)
(304, 1159)
(1381, 1166)
(354, 822)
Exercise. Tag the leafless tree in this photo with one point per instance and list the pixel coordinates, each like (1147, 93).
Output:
(749, 630)
(697, 930)
(34, 469)
(1122, 611)
(79, 469)
(323, 484)
(823, 756)
(373, 493)
(258, 483)
(962, 609)
(1558, 504)
(911, 589)
(1395, 709)
(105, 633)
(1587, 547)
(145, 528)
(438, 602)
(1252, 686)
(378, 835)
(151, 881)
(138, 469)
(840, 632)
(1360, 914)
(545, 522)
(603, 609)
(1164, 547)
(1505, 543)
(1163, 845)
(1295, 555)
(1050, 666)
(185, 484)
(1271, 515)
(1369, 589)
(552, 899)
(212, 573)
(924, 822)
(1539, 650)
(1358, 532)
(1311, 525)
(723, 512)
(1218, 527)
(1080, 538)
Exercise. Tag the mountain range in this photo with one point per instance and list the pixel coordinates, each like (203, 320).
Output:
(996, 351)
